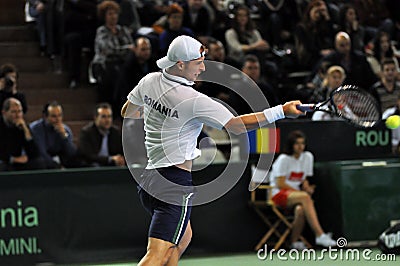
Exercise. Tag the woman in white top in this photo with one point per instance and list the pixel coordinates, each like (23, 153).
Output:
(292, 189)
(174, 114)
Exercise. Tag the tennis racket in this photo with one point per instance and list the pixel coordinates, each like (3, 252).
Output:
(351, 103)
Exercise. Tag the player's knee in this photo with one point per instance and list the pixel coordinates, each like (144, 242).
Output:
(155, 256)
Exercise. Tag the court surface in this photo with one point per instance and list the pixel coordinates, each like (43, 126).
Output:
(249, 259)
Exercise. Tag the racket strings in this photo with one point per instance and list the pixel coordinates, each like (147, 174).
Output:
(359, 107)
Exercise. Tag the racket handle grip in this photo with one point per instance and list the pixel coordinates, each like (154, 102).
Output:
(306, 107)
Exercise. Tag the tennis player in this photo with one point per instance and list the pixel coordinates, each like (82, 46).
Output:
(174, 114)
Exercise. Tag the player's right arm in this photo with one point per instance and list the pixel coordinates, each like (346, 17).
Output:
(243, 123)
(130, 110)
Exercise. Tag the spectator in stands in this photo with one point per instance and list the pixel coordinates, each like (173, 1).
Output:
(335, 75)
(129, 16)
(198, 17)
(251, 67)
(216, 53)
(9, 85)
(37, 10)
(80, 22)
(49, 19)
(113, 44)
(54, 138)
(18, 149)
(395, 110)
(358, 71)
(136, 66)
(277, 26)
(373, 15)
(221, 22)
(243, 38)
(314, 35)
(348, 22)
(151, 10)
(381, 50)
(333, 79)
(173, 28)
(387, 89)
(100, 143)
(292, 189)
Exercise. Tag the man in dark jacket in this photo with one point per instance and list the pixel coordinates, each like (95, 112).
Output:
(100, 142)
(18, 149)
(358, 70)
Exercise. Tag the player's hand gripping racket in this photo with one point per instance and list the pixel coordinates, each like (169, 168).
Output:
(351, 103)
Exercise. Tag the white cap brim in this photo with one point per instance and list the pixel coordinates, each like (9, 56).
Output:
(165, 63)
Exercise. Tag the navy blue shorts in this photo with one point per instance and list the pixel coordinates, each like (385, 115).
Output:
(169, 219)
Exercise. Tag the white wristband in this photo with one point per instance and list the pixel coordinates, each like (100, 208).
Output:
(274, 113)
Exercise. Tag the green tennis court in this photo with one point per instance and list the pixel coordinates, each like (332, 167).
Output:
(344, 257)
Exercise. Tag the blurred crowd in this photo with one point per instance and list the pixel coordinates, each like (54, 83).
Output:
(299, 49)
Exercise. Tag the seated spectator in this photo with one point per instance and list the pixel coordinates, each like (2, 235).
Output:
(136, 66)
(243, 38)
(173, 28)
(18, 149)
(198, 17)
(334, 78)
(381, 50)
(373, 15)
(100, 143)
(49, 21)
(387, 89)
(79, 31)
(292, 189)
(9, 85)
(348, 22)
(216, 53)
(358, 71)
(129, 16)
(277, 25)
(54, 138)
(113, 44)
(314, 35)
(37, 10)
(251, 67)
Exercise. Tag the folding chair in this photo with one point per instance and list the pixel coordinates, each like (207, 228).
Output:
(277, 223)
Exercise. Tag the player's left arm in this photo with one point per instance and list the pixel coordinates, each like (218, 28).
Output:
(130, 110)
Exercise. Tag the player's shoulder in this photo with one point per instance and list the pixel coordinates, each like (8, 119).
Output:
(152, 75)
(150, 79)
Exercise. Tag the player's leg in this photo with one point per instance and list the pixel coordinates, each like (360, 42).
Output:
(158, 252)
(301, 197)
(298, 223)
(183, 244)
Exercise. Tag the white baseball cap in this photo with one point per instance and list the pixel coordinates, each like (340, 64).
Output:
(182, 48)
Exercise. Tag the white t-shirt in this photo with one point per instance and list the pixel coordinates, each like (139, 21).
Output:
(174, 114)
(295, 170)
